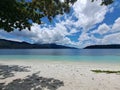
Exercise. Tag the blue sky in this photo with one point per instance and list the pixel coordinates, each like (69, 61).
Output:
(86, 24)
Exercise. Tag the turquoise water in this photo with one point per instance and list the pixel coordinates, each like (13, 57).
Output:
(62, 55)
(62, 58)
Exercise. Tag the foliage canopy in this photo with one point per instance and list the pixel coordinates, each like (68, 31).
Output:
(16, 14)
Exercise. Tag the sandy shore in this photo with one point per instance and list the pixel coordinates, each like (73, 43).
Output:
(74, 75)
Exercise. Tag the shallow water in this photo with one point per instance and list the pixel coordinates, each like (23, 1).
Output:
(87, 55)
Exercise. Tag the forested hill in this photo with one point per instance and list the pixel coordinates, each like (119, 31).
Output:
(112, 46)
(7, 44)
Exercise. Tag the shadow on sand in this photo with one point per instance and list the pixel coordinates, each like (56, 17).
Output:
(31, 82)
(7, 71)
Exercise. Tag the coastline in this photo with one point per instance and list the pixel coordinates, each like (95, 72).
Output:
(74, 75)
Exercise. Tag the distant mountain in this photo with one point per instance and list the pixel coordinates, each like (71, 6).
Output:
(7, 44)
(112, 46)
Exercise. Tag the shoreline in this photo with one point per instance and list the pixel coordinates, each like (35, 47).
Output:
(74, 75)
(49, 58)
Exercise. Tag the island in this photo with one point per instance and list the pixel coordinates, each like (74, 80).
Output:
(8, 44)
(111, 46)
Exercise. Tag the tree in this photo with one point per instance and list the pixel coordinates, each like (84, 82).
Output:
(105, 2)
(16, 14)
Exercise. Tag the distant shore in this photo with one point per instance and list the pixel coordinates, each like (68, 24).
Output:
(56, 75)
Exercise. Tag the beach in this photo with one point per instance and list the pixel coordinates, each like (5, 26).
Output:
(61, 75)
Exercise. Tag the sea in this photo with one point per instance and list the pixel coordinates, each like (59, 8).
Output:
(75, 55)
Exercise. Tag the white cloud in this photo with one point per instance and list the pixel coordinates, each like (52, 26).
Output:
(116, 25)
(73, 31)
(84, 16)
(88, 13)
(83, 37)
(87, 39)
(112, 33)
(3, 35)
(102, 29)
(111, 39)
(114, 36)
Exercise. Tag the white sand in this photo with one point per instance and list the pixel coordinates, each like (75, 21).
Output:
(75, 75)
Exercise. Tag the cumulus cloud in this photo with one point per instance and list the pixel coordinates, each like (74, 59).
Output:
(110, 33)
(83, 17)
(111, 39)
(116, 26)
(108, 29)
(102, 29)
(114, 36)
(88, 13)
